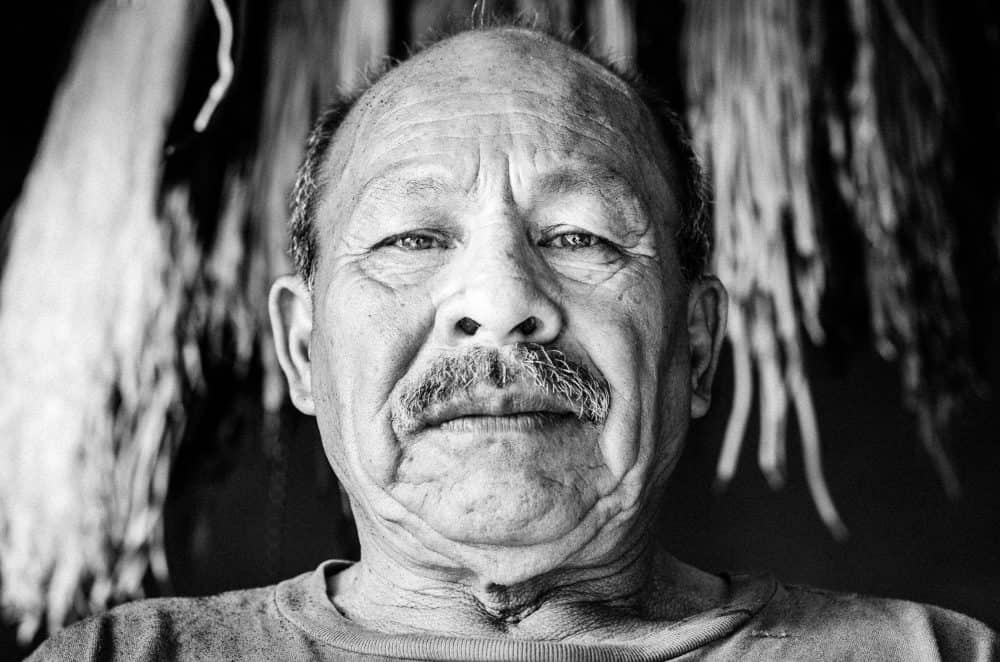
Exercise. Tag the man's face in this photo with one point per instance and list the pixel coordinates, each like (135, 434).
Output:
(498, 192)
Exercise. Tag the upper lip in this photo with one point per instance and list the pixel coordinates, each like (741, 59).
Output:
(487, 401)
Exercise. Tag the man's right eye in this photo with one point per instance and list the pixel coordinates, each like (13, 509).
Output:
(412, 241)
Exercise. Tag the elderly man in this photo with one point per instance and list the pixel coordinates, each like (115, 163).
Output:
(502, 325)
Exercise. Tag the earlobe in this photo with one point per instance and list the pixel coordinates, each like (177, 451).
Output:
(707, 307)
(290, 308)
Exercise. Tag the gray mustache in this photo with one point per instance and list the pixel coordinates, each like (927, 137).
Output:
(548, 369)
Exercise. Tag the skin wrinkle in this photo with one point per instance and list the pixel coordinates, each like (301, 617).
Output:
(549, 528)
(542, 477)
(375, 184)
(426, 496)
(477, 135)
(450, 120)
(574, 90)
(582, 594)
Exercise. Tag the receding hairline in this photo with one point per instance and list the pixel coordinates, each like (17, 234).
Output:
(530, 36)
(382, 81)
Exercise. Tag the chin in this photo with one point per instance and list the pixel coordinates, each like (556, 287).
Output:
(517, 538)
(512, 518)
(543, 547)
(503, 491)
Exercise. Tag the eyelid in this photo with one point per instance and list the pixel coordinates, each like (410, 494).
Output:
(422, 233)
(593, 239)
(552, 234)
(620, 223)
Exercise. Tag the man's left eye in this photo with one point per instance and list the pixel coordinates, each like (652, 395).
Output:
(576, 241)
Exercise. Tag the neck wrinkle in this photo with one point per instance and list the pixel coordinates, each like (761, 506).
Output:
(613, 601)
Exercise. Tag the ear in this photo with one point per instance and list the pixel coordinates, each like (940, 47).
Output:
(290, 307)
(707, 306)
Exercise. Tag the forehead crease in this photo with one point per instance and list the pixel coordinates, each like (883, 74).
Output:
(542, 133)
(591, 114)
(555, 74)
(498, 65)
(561, 100)
(443, 103)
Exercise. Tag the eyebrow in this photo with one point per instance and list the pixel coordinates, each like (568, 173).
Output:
(398, 179)
(614, 190)
(400, 185)
(424, 185)
(585, 180)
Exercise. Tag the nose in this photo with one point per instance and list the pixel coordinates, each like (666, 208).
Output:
(497, 299)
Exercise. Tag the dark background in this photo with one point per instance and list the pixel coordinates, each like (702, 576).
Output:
(241, 514)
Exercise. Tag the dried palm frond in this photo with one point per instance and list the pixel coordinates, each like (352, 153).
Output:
(90, 385)
(894, 163)
(557, 15)
(224, 62)
(612, 29)
(315, 50)
(303, 72)
(750, 105)
(110, 303)
(363, 38)
(431, 18)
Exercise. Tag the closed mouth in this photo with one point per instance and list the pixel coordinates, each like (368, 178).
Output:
(515, 422)
(497, 410)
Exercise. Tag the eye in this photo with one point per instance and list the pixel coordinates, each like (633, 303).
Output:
(576, 241)
(413, 241)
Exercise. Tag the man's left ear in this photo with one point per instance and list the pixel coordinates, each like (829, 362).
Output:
(707, 306)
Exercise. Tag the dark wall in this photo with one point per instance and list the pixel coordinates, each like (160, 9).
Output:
(907, 539)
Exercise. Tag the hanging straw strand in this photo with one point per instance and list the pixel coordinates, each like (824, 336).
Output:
(750, 115)
(895, 178)
(224, 61)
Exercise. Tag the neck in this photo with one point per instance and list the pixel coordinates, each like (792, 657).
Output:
(638, 590)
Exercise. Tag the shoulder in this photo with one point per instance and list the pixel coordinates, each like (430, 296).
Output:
(170, 628)
(815, 623)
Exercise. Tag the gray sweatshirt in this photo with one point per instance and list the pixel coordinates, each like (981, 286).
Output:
(296, 620)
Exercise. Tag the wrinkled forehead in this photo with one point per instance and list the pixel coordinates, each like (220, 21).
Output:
(505, 62)
(518, 84)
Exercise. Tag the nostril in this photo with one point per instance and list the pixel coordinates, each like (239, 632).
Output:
(528, 326)
(467, 326)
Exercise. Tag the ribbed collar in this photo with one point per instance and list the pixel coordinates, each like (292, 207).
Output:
(303, 600)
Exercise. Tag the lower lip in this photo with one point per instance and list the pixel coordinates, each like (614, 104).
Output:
(527, 422)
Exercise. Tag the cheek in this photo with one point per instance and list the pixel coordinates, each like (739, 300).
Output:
(365, 337)
(632, 331)
(625, 333)
(369, 332)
